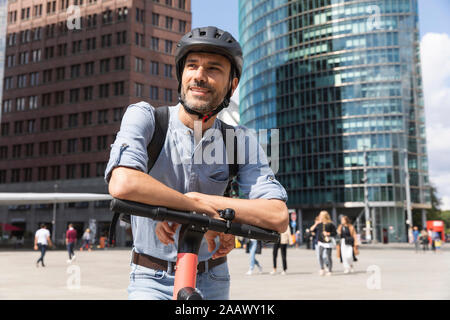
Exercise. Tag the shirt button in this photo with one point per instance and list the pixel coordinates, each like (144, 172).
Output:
(271, 178)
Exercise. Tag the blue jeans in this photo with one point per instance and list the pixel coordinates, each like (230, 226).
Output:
(150, 284)
(253, 245)
(70, 246)
(42, 248)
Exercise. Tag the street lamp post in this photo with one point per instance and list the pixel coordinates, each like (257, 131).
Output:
(366, 199)
(55, 186)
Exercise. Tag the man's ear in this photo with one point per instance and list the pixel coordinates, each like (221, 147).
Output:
(234, 85)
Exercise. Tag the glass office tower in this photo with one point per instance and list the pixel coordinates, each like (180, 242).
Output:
(342, 82)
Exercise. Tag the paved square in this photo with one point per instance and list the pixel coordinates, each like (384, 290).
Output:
(402, 274)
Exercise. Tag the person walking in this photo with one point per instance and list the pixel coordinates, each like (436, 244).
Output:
(326, 231)
(347, 247)
(308, 238)
(41, 242)
(208, 67)
(424, 240)
(71, 239)
(285, 239)
(314, 234)
(86, 240)
(254, 247)
(416, 236)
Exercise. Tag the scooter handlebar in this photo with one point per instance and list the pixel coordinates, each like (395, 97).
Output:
(198, 219)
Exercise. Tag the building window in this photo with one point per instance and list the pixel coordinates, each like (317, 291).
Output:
(119, 88)
(2, 176)
(32, 102)
(73, 120)
(102, 116)
(85, 170)
(92, 20)
(76, 46)
(18, 129)
(87, 118)
(72, 145)
(138, 89)
(34, 79)
(36, 55)
(169, 3)
(43, 148)
(100, 168)
(168, 70)
(16, 151)
(117, 114)
(59, 97)
(155, 44)
(107, 17)
(139, 64)
(122, 14)
(169, 23)
(57, 122)
(140, 14)
(27, 174)
(20, 104)
(57, 147)
(70, 171)
(89, 68)
(88, 93)
(48, 53)
(103, 90)
(119, 63)
(5, 129)
(168, 48)
(56, 171)
(91, 44)
(106, 40)
(104, 65)
(74, 95)
(47, 75)
(15, 175)
(31, 126)
(42, 173)
(168, 95)
(37, 10)
(121, 37)
(155, 19)
(46, 99)
(45, 124)
(74, 71)
(3, 152)
(62, 50)
(154, 68)
(60, 73)
(29, 149)
(182, 26)
(86, 144)
(154, 93)
(101, 143)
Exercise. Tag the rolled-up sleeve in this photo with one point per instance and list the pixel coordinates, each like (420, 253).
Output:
(256, 179)
(130, 147)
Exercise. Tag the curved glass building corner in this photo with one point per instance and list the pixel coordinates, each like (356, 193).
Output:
(341, 80)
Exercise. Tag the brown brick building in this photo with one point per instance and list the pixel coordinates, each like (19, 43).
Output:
(66, 86)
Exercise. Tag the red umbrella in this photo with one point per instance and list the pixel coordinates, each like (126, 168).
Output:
(9, 227)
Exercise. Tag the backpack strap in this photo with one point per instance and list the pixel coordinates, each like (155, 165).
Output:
(233, 168)
(159, 136)
(153, 150)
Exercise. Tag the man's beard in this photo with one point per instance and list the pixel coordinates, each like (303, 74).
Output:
(202, 105)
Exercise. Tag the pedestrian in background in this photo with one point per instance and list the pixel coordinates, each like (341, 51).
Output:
(347, 247)
(416, 235)
(326, 231)
(41, 241)
(285, 239)
(86, 240)
(424, 240)
(253, 250)
(308, 238)
(314, 234)
(71, 239)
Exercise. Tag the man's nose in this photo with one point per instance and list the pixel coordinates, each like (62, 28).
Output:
(200, 74)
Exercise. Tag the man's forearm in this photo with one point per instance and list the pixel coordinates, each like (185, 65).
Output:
(264, 213)
(134, 185)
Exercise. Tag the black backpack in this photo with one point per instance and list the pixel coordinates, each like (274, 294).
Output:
(154, 149)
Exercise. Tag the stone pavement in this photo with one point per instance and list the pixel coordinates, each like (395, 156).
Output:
(399, 274)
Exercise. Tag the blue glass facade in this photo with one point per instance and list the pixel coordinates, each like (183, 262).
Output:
(339, 78)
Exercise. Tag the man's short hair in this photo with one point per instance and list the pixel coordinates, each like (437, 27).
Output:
(70, 225)
(43, 225)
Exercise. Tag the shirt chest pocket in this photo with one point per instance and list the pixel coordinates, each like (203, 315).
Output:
(213, 179)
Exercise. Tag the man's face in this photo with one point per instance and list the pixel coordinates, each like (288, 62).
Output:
(205, 81)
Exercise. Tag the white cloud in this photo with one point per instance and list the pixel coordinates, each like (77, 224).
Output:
(435, 59)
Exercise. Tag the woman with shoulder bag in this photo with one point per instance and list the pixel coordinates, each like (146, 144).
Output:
(347, 248)
(326, 231)
(285, 239)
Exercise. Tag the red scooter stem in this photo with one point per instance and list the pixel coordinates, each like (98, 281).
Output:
(185, 273)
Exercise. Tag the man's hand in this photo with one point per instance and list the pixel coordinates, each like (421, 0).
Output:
(165, 232)
(227, 243)
(35, 247)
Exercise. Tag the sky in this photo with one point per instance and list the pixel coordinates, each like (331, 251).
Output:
(434, 28)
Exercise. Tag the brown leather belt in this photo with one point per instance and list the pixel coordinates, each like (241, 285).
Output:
(158, 264)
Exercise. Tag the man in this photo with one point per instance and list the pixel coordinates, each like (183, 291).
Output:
(71, 239)
(41, 241)
(208, 66)
(416, 234)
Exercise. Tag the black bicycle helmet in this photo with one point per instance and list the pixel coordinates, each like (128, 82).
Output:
(211, 40)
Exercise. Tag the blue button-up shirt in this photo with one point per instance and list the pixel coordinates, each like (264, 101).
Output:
(187, 166)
